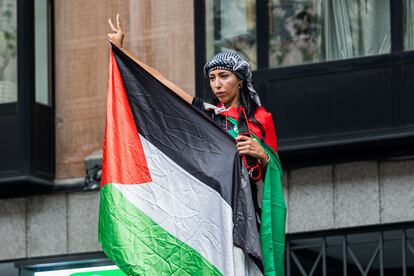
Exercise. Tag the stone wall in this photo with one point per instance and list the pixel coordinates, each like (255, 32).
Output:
(49, 225)
(350, 194)
(318, 198)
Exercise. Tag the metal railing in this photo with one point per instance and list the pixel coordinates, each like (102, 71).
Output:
(381, 252)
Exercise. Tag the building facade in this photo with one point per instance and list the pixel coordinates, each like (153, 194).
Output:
(335, 74)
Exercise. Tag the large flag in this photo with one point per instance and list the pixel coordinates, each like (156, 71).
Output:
(175, 199)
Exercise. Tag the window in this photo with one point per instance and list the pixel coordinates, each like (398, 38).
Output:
(317, 30)
(26, 98)
(409, 24)
(8, 268)
(8, 51)
(352, 253)
(42, 52)
(301, 31)
(231, 24)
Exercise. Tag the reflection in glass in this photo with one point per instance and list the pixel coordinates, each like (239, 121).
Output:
(295, 32)
(306, 31)
(231, 24)
(409, 24)
(42, 51)
(8, 51)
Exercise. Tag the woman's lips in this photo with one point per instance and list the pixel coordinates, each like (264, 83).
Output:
(220, 94)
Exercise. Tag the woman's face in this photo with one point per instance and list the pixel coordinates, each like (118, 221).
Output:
(225, 86)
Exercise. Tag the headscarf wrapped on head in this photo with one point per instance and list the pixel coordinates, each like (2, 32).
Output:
(233, 62)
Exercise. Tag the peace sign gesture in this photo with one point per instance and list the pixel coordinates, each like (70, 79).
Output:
(117, 36)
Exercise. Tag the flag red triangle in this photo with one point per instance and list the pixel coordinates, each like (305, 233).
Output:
(123, 160)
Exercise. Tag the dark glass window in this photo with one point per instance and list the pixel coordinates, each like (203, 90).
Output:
(319, 30)
(26, 98)
(408, 24)
(231, 24)
(42, 51)
(302, 31)
(381, 252)
(8, 268)
(8, 51)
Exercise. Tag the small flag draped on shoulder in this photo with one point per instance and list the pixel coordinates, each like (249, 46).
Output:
(171, 179)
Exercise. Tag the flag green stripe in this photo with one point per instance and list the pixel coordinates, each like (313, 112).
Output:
(138, 245)
(273, 215)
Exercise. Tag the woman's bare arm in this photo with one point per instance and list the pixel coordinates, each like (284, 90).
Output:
(117, 39)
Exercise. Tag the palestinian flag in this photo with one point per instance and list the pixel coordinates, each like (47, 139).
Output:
(175, 199)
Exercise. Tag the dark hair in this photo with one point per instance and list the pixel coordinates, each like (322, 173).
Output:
(250, 107)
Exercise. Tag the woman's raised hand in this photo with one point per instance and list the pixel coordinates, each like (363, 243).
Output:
(117, 35)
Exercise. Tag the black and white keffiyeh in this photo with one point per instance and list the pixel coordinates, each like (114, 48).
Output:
(234, 63)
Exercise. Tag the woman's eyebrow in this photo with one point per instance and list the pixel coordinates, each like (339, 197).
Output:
(222, 73)
(218, 73)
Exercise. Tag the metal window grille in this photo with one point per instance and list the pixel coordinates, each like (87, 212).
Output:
(380, 252)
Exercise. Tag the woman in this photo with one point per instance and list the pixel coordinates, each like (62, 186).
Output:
(237, 109)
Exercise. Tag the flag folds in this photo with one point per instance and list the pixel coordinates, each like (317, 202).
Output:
(174, 196)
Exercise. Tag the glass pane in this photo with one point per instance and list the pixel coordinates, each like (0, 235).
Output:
(393, 252)
(304, 255)
(306, 31)
(362, 248)
(8, 51)
(410, 255)
(8, 268)
(42, 52)
(231, 24)
(334, 255)
(410, 233)
(409, 24)
(409, 247)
